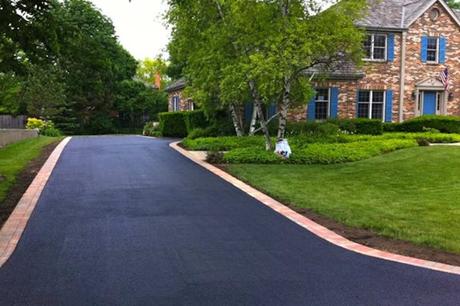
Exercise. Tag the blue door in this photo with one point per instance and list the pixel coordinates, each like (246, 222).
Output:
(429, 102)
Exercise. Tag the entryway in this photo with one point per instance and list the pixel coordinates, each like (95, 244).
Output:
(430, 102)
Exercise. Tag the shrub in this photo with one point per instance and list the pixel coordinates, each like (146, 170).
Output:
(423, 142)
(201, 133)
(172, 124)
(390, 127)
(45, 128)
(444, 124)
(151, 129)
(361, 126)
(225, 143)
(320, 153)
(313, 129)
(252, 156)
(194, 120)
(215, 157)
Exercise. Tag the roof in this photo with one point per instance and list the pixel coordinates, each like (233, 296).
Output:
(341, 70)
(399, 14)
(176, 85)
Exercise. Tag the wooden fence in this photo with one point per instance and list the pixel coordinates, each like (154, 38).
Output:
(10, 122)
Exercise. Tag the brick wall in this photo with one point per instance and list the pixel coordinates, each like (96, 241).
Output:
(386, 75)
(185, 103)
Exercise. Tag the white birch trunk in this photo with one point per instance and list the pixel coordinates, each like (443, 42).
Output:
(253, 124)
(236, 121)
(284, 107)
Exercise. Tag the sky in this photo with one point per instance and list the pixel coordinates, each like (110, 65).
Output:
(139, 25)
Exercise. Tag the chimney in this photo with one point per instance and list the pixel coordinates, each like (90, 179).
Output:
(158, 80)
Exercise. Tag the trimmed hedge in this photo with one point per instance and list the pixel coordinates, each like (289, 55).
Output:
(444, 124)
(179, 124)
(172, 124)
(361, 126)
(225, 143)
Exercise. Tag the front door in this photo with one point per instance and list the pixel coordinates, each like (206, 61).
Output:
(429, 102)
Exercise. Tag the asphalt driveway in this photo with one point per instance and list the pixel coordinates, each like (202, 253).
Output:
(125, 220)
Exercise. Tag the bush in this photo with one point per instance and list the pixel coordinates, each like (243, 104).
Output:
(194, 120)
(390, 127)
(45, 128)
(314, 129)
(361, 126)
(252, 156)
(172, 124)
(215, 157)
(320, 153)
(423, 142)
(444, 124)
(151, 129)
(225, 143)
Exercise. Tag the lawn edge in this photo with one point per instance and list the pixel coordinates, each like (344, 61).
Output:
(314, 227)
(12, 230)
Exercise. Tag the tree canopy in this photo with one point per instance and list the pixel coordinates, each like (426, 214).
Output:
(234, 50)
(61, 60)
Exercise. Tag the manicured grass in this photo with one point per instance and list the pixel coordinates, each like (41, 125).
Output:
(412, 194)
(15, 157)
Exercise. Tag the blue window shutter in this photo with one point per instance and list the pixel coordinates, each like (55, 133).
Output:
(391, 47)
(248, 112)
(311, 110)
(389, 106)
(271, 110)
(442, 50)
(334, 102)
(423, 49)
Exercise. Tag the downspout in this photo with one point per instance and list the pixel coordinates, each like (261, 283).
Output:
(402, 74)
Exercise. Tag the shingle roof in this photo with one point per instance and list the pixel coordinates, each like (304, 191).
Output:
(396, 14)
(177, 85)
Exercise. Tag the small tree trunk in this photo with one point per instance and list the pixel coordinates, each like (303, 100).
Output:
(284, 107)
(253, 125)
(260, 113)
(236, 121)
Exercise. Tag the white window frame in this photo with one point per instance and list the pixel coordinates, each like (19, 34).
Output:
(372, 59)
(371, 103)
(436, 61)
(191, 105)
(322, 101)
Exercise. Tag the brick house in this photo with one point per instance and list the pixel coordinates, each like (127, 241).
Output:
(177, 101)
(407, 45)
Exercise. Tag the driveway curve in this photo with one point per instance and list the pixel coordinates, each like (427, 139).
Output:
(125, 220)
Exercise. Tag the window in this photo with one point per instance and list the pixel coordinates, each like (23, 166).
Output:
(375, 46)
(432, 49)
(371, 104)
(176, 103)
(191, 105)
(322, 104)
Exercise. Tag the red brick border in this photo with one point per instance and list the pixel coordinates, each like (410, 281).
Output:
(12, 230)
(316, 228)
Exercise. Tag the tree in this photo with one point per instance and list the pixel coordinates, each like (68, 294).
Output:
(455, 4)
(236, 49)
(148, 69)
(22, 35)
(93, 61)
(137, 102)
(10, 90)
(43, 92)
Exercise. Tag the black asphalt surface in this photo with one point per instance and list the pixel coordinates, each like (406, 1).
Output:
(125, 220)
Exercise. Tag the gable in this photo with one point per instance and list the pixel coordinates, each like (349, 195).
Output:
(417, 9)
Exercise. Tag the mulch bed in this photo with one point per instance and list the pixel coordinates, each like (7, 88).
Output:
(371, 239)
(23, 180)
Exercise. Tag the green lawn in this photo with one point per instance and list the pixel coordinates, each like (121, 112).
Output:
(412, 194)
(15, 157)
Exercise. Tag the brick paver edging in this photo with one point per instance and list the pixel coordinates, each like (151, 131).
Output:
(314, 227)
(12, 230)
